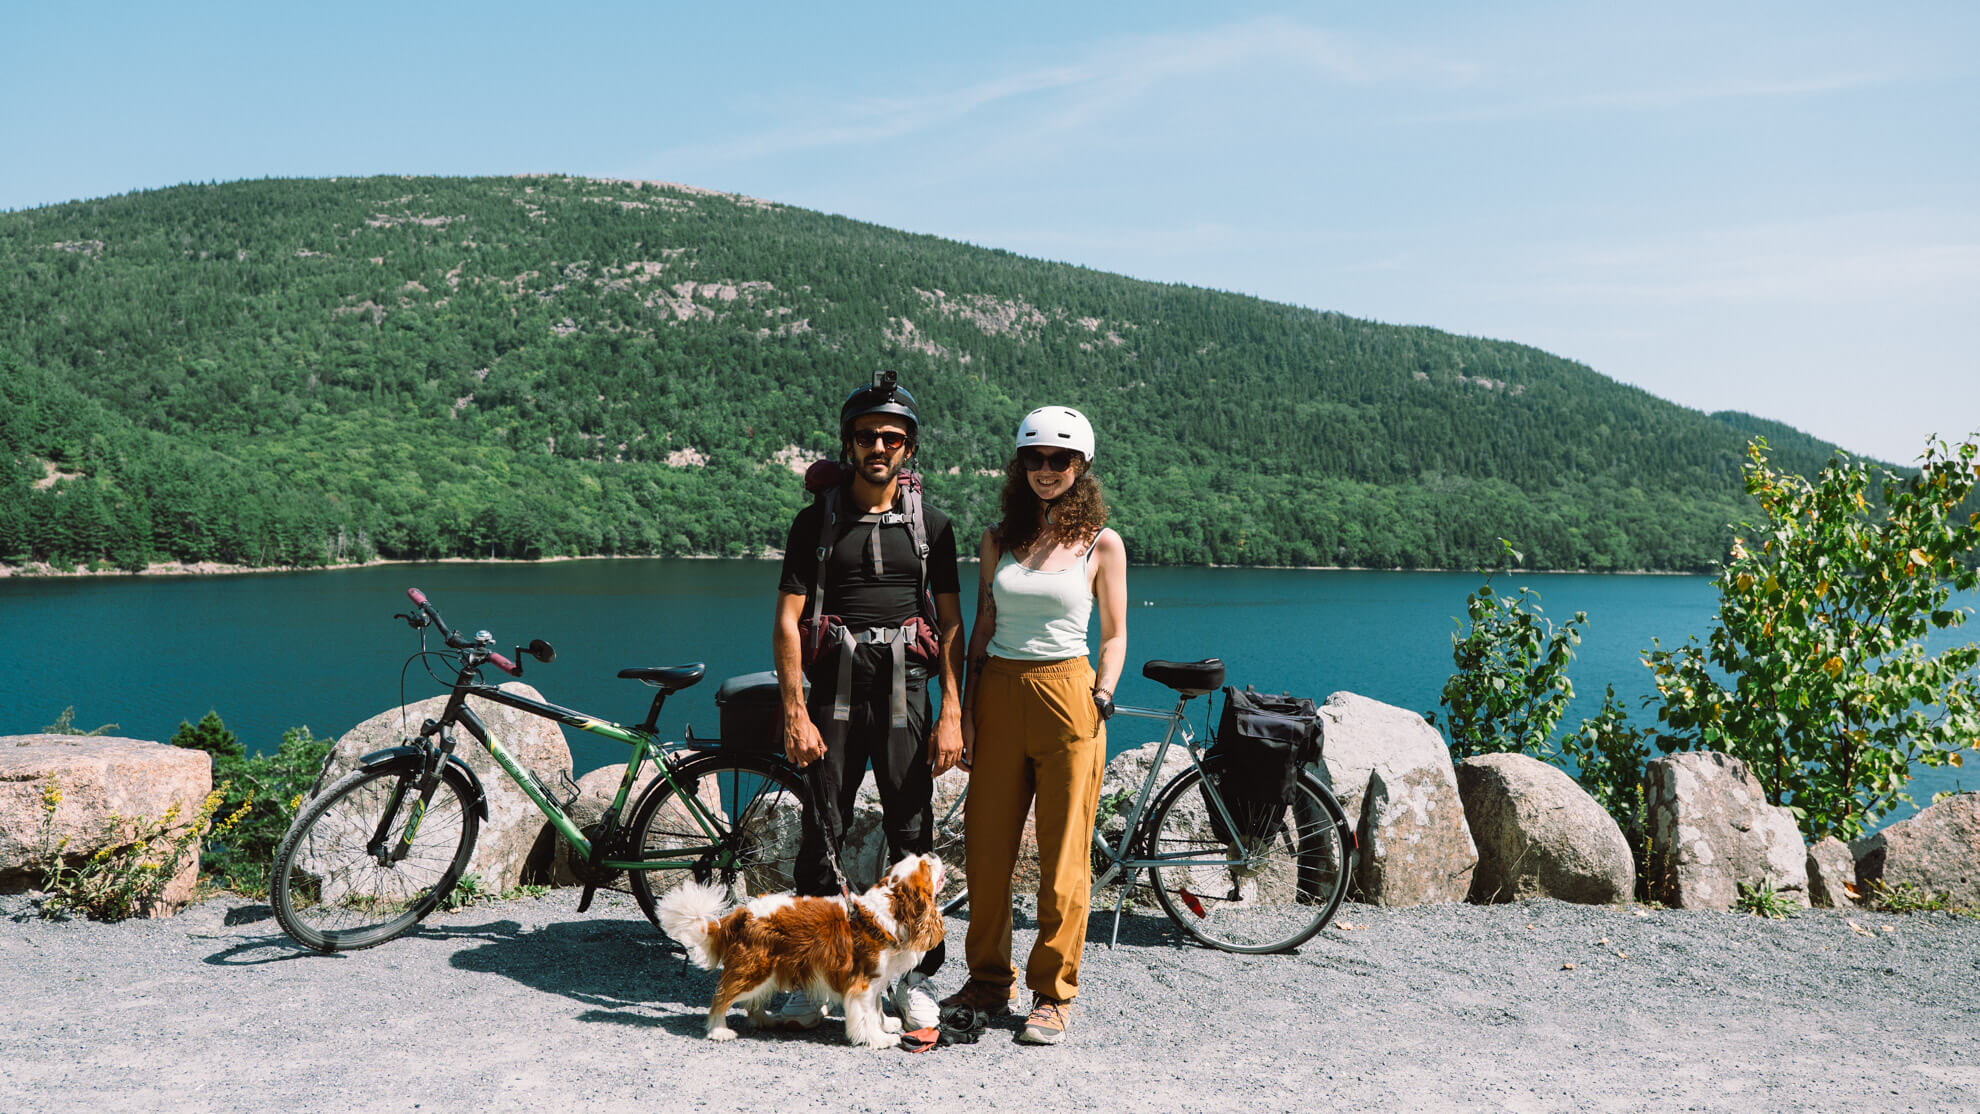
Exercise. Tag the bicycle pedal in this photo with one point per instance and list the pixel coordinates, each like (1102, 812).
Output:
(584, 902)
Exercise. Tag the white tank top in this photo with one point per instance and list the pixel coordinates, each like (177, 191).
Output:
(1041, 616)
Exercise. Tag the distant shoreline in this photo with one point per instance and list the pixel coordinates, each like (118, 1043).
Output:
(36, 570)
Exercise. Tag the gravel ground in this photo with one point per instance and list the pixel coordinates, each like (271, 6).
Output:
(524, 1004)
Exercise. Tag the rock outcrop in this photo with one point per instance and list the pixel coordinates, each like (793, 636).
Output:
(1831, 875)
(1392, 773)
(104, 785)
(514, 824)
(1936, 851)
(1712, 831)
(1540, 835)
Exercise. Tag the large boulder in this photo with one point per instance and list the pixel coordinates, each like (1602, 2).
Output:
(1712, 831)
(1937, 851)
(1831, 875)
(510, 833)
(1540, 835)
(104, 785)
(1392, 773)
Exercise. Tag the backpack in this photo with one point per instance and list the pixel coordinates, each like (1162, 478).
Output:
(914, 639)
(827, 481)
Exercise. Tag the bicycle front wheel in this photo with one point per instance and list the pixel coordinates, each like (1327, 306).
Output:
(1265, 885)
(336, 886)
(741, 829)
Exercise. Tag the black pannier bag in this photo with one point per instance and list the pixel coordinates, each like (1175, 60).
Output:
(1263, 742)
(752, 710)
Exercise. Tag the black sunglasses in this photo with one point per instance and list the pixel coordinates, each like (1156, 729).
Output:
(1033, 459)
(867, 438)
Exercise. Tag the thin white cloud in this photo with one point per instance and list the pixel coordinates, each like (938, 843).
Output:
(1106, 80)
(1655, 98)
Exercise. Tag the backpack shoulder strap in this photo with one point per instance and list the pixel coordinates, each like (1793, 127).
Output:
(830, 525)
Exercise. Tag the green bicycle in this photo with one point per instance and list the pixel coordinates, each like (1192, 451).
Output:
(374, 852)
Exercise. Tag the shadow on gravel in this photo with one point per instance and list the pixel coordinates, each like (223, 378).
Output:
(1138, 929)
(262, 949)
(620, 968)
(247, 914)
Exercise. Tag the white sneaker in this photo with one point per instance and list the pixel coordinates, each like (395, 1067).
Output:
(797, 1012)
(912, 999)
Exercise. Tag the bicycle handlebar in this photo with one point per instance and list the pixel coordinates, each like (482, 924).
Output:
(458, 642)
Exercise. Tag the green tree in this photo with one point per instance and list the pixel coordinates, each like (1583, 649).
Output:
(1815, 671)
(212, 736)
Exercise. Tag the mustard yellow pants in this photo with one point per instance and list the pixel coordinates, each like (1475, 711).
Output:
(1037, 736)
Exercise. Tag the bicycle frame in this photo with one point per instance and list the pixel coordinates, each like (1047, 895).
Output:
(643, 739)
(1117, 857)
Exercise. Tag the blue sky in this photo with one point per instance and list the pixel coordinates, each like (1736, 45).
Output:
(1769, 207)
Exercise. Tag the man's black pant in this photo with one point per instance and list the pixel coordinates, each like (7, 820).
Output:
(900, 771)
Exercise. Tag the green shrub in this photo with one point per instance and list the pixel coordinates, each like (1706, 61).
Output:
(266, 790)
(130, 871)
(1510, 688)
(1608, 753)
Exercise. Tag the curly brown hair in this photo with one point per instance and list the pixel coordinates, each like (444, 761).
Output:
(1078, 515)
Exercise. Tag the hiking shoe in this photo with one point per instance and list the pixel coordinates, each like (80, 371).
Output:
(1047, 1023)
(913, 1001)
(986, 998)
(797, 1012)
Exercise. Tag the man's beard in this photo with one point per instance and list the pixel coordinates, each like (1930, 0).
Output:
(892, 469)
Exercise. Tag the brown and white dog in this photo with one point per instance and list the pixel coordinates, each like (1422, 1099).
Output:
(783, 942)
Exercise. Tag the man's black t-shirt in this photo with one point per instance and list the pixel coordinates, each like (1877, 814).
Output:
(852, 591)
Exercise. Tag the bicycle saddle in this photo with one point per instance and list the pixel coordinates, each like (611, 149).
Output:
(1191, 678)
(672, 678)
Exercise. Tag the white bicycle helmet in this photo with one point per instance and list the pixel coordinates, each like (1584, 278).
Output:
(1057, 427)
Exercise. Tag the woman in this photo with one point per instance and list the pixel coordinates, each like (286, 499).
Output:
(1034, 712)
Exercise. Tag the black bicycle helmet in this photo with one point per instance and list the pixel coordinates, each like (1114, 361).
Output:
(882, 396)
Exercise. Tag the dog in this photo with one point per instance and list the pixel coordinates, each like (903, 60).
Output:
(784, 942)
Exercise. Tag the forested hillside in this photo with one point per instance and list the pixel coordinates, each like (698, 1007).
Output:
(295, 372)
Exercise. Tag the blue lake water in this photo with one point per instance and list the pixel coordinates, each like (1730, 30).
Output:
(270, 651)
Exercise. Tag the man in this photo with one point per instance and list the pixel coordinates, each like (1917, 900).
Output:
(860, 568)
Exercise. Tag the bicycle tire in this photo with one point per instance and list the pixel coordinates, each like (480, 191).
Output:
(332, 895)
(1268, 893)
(947, 819)
(757, 805)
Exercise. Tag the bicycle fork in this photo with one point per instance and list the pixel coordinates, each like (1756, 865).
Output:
(435, 758)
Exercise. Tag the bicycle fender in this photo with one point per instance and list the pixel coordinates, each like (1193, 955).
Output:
(478, 796)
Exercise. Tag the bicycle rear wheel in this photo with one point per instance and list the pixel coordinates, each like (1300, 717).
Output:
(1269, 885)
(330, 889)
(756, 808)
